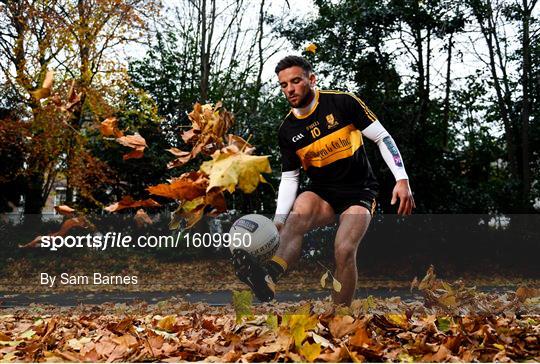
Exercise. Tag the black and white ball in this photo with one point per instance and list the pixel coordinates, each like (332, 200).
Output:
(256, 234)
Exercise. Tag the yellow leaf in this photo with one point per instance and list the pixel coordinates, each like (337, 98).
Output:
(336, 285)
(242, 302)
(235, 170)
(167, 323)
(272, 321)
(27, 334)
(310, 351)
(298, 333)
(312, 48)
(405, 358)
(10, 343)
(499, 346)
(398, 319)
(323, 279)
(189, 206)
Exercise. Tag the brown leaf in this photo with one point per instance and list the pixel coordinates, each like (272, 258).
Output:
(187, 187)
(129, 202)
(182, 158)
(64, 210)
(522, 293)
(45, 90)
(135, 141)
(68, 225)
(142, 219)
(342, 325)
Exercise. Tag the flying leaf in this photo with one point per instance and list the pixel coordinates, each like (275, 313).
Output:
(186, 187)
(235, 170)
(336, 285)
(429, 280)
(45, 90)
(67, 225)
(142, 219)
(64, 210)
(128, 202)
(109, 127)
(323, 279)
(312, 48)
(135, 141)
(182, 158)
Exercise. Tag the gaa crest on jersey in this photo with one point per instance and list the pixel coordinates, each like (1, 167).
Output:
(331, 122)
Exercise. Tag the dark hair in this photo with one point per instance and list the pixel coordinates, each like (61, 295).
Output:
(291, 61)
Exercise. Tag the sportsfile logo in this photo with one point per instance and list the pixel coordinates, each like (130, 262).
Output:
(297, 137)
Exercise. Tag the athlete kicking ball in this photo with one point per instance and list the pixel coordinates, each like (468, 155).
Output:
(323, 134)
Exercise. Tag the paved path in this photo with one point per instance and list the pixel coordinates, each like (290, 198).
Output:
(216, 298)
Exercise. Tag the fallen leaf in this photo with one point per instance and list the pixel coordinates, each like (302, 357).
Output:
(242, 302)
(310, 352)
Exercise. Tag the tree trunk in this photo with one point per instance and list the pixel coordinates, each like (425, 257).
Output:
(205, 72)
(446, 116)
(526, 188)
(258, 82)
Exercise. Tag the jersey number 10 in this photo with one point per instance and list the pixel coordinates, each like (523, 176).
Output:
(315, 132)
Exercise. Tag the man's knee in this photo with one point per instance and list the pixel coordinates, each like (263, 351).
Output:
(345, 253)
(307, 211)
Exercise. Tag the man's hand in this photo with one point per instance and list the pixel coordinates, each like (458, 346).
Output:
(402, 190)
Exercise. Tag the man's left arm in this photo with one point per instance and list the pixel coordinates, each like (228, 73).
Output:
(390, 153)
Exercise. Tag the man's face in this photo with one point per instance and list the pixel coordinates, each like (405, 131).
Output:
(297, 86)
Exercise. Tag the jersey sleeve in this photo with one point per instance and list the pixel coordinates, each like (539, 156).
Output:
(358, 112)
(289, 159)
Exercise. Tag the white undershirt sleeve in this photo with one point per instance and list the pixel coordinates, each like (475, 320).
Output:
(389, 150)
(286, 194)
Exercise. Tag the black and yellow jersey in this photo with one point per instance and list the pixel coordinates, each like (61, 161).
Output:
(327, 142)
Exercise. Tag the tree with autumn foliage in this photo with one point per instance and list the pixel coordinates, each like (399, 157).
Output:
(79, 41)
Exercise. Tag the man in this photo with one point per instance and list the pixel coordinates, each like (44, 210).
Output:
(322, 134)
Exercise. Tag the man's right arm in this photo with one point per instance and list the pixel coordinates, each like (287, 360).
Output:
(286, 195)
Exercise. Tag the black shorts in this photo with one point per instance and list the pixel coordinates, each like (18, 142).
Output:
(342, 199)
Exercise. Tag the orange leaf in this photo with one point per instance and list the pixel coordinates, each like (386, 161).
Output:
(187, 187)
(128, 201)
(109, 127)
(64, 210)
(360, 337)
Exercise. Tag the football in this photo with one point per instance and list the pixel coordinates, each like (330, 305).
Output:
(256, 234)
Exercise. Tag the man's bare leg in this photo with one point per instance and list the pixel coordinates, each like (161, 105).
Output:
(353, 224)
(309, 211)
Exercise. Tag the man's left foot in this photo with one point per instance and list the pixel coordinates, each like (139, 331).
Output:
(249, 270)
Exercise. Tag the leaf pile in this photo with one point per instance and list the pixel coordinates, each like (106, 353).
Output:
(371, 330)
